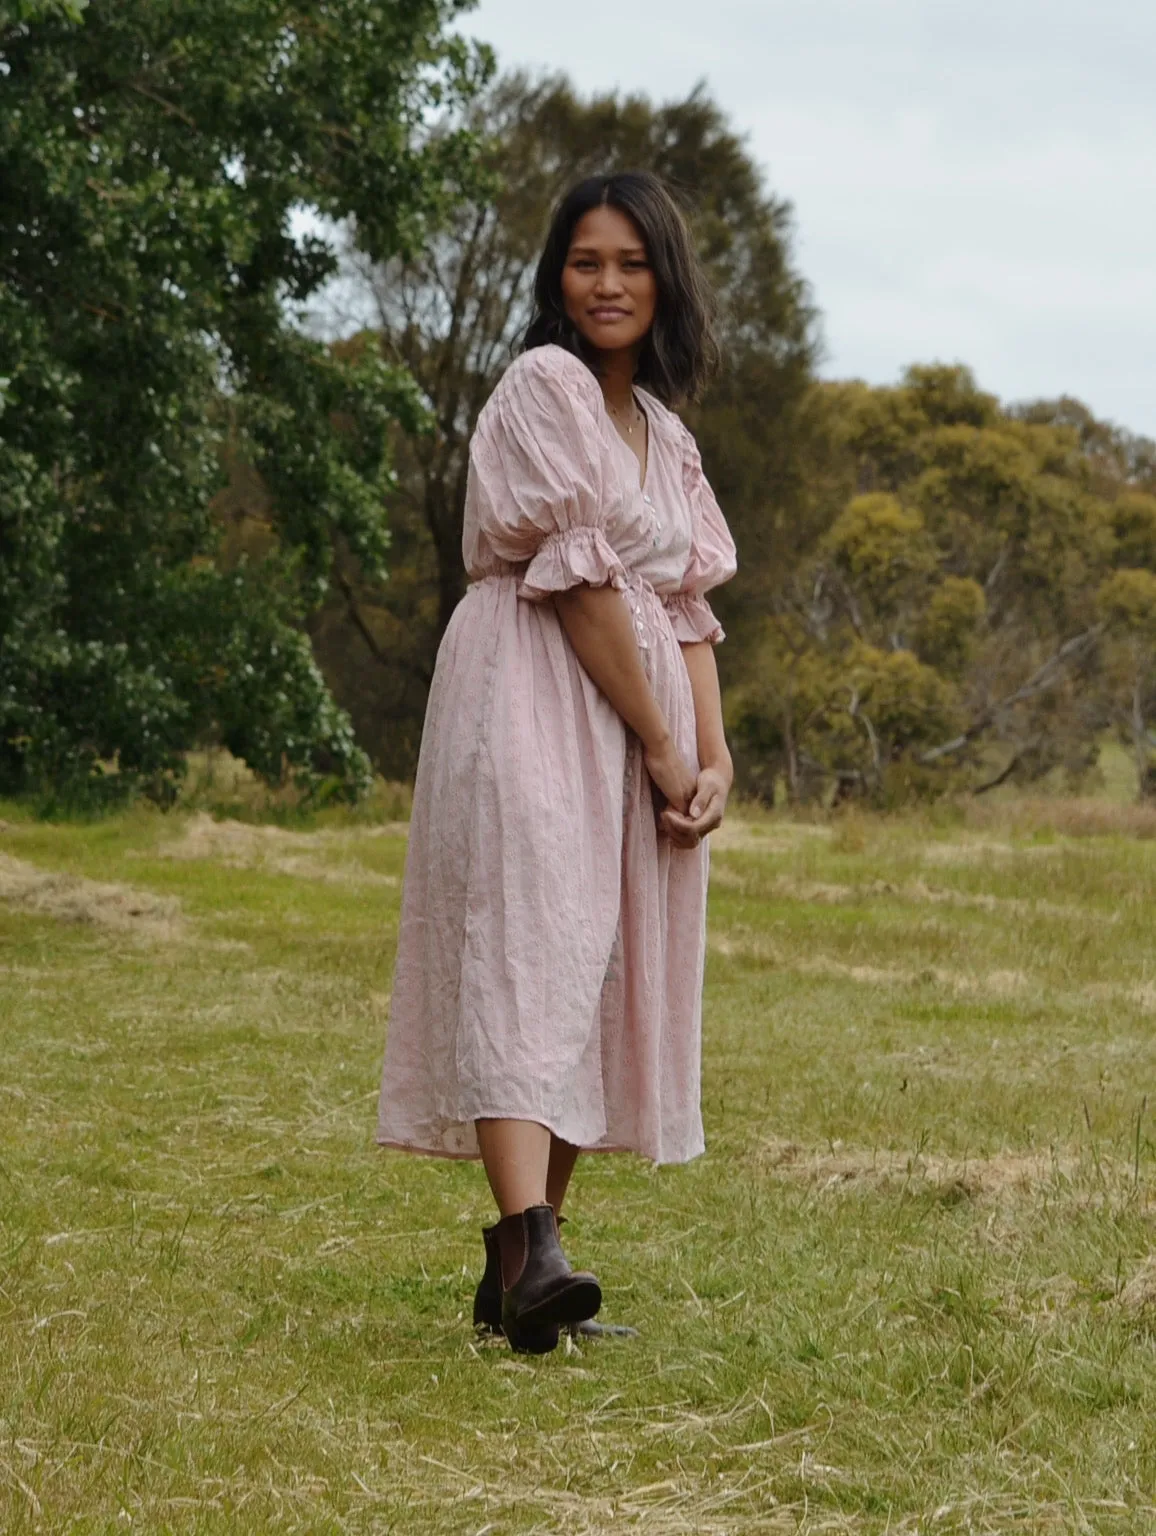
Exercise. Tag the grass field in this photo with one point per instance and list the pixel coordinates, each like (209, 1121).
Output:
(909, 1287)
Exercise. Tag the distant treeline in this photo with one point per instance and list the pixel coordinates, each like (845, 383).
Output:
(936, 591)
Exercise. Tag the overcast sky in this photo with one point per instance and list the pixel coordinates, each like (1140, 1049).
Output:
(971, 181)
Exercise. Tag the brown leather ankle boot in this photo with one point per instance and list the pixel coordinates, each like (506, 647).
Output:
(488, 1299)
(539, 1289)
(488, 1302)
(488, 1305)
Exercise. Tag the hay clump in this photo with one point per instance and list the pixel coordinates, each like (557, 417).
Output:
(837, 1166)
(75, 899)
(1139, 1293)
(242, 845)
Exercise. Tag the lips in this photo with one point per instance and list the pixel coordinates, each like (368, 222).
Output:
(609, 314)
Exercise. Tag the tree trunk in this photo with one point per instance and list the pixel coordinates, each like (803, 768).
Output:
(1145, 779)
(792, 756)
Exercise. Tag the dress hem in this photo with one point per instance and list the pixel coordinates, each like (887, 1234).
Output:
(414, 1148)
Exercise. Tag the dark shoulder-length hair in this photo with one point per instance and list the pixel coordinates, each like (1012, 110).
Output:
(680, 352)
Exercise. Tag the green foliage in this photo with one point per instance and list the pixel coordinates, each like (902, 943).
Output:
(880, 549)
(26, 11)
(1134, 526)
(948, 628)
(1128, 599)
(948, 396)
(974, 547)
(908, 702)
(153, 157)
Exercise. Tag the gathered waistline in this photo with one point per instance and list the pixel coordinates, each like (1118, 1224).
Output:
(634, 583)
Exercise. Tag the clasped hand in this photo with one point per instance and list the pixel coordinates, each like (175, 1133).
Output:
(695, 807)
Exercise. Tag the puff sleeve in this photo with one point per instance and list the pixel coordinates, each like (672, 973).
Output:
(539, 474)
(712, 556)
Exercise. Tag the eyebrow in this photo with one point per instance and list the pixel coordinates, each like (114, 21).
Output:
(593, 250)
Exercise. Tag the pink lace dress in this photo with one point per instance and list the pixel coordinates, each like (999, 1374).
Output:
(550, 952)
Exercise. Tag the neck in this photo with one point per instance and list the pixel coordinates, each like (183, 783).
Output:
(616, 376)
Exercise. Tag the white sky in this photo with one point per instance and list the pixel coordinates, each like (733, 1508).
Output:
(972, 180)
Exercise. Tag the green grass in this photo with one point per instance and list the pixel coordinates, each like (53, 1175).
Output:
(907, 1289)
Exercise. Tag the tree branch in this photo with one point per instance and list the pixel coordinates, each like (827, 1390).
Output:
(855, 710)
(997, 569)
(358, 622)
(1004, 773)
(423, 674)
(170, 107)
(1040, 681)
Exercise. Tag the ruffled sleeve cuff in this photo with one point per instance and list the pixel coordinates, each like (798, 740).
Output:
(692, 619)
(566, 558)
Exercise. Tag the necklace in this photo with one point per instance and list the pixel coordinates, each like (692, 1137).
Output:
(629, 423)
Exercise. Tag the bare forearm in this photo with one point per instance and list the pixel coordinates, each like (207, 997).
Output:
(712, 743)
(597, 624)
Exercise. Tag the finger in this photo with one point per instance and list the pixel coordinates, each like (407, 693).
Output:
(706, 788)
(678, 830)
(683, 840)
(708, 825)
(710, 812)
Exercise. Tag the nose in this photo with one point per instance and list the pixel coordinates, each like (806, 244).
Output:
(609, 281)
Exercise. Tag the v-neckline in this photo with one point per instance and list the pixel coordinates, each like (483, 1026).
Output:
(644, 481)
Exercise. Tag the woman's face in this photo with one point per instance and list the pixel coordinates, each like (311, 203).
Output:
(608, 287)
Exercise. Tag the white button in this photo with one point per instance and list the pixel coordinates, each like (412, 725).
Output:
(648, 501)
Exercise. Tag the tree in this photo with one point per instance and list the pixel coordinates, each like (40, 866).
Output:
(452, 312)
(966, 571)
(1128, 602)
(1114, 456)
(153, 154)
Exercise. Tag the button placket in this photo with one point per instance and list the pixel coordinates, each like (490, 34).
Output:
(640, 628)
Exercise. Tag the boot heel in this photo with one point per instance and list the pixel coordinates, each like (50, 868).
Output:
(488, 1296)
(532, 1341)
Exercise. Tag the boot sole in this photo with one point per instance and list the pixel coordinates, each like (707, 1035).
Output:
(574, 1303)
(532, 1341)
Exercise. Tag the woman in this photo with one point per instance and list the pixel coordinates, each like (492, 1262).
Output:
(547, 998)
